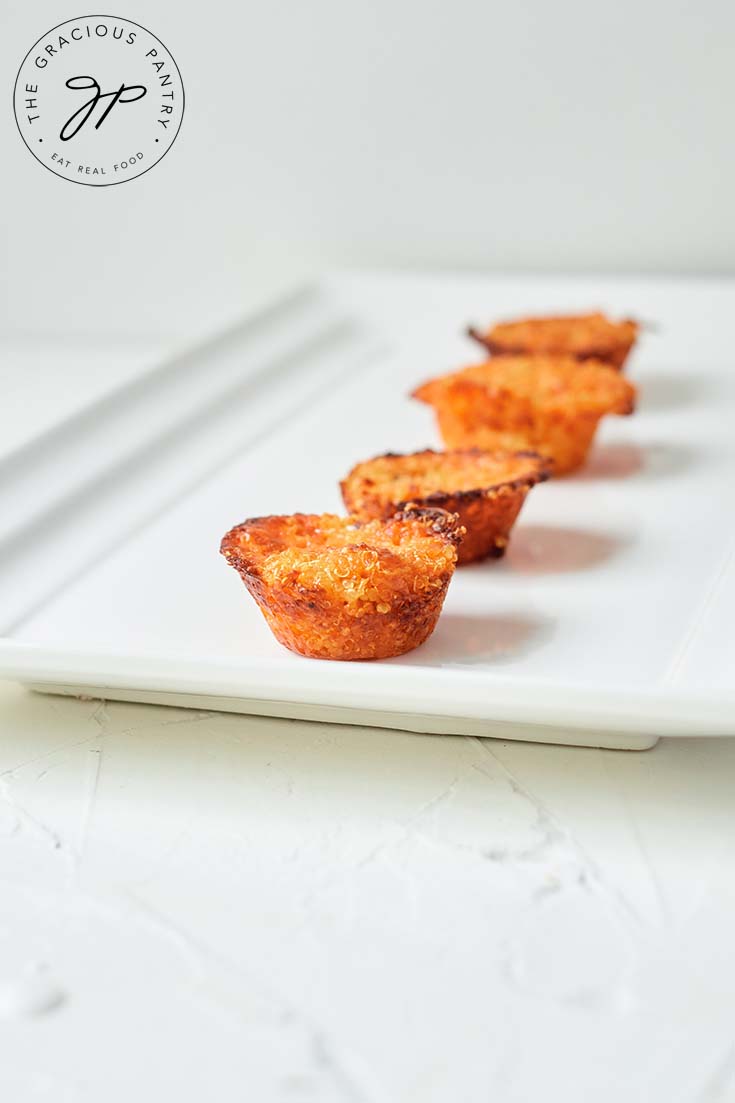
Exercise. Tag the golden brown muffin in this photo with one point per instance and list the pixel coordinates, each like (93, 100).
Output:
(485, 489)
(583, 336)
(549, 404)
(336, 588)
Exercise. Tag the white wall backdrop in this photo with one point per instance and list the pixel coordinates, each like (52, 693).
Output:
(522, 134)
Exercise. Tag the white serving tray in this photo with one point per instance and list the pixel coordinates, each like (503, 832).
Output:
(608, 623)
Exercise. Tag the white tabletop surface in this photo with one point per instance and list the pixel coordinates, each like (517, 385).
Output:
(210, 906)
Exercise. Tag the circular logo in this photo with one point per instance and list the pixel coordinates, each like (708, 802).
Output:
(98, 100)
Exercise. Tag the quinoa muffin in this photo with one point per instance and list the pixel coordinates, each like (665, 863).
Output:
(548, 404)
(581, 336)
(337, 588)
(485, 489)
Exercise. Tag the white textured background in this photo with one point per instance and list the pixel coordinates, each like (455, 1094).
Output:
(524, 135)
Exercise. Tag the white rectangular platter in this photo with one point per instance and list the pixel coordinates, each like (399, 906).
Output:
(609, 622)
